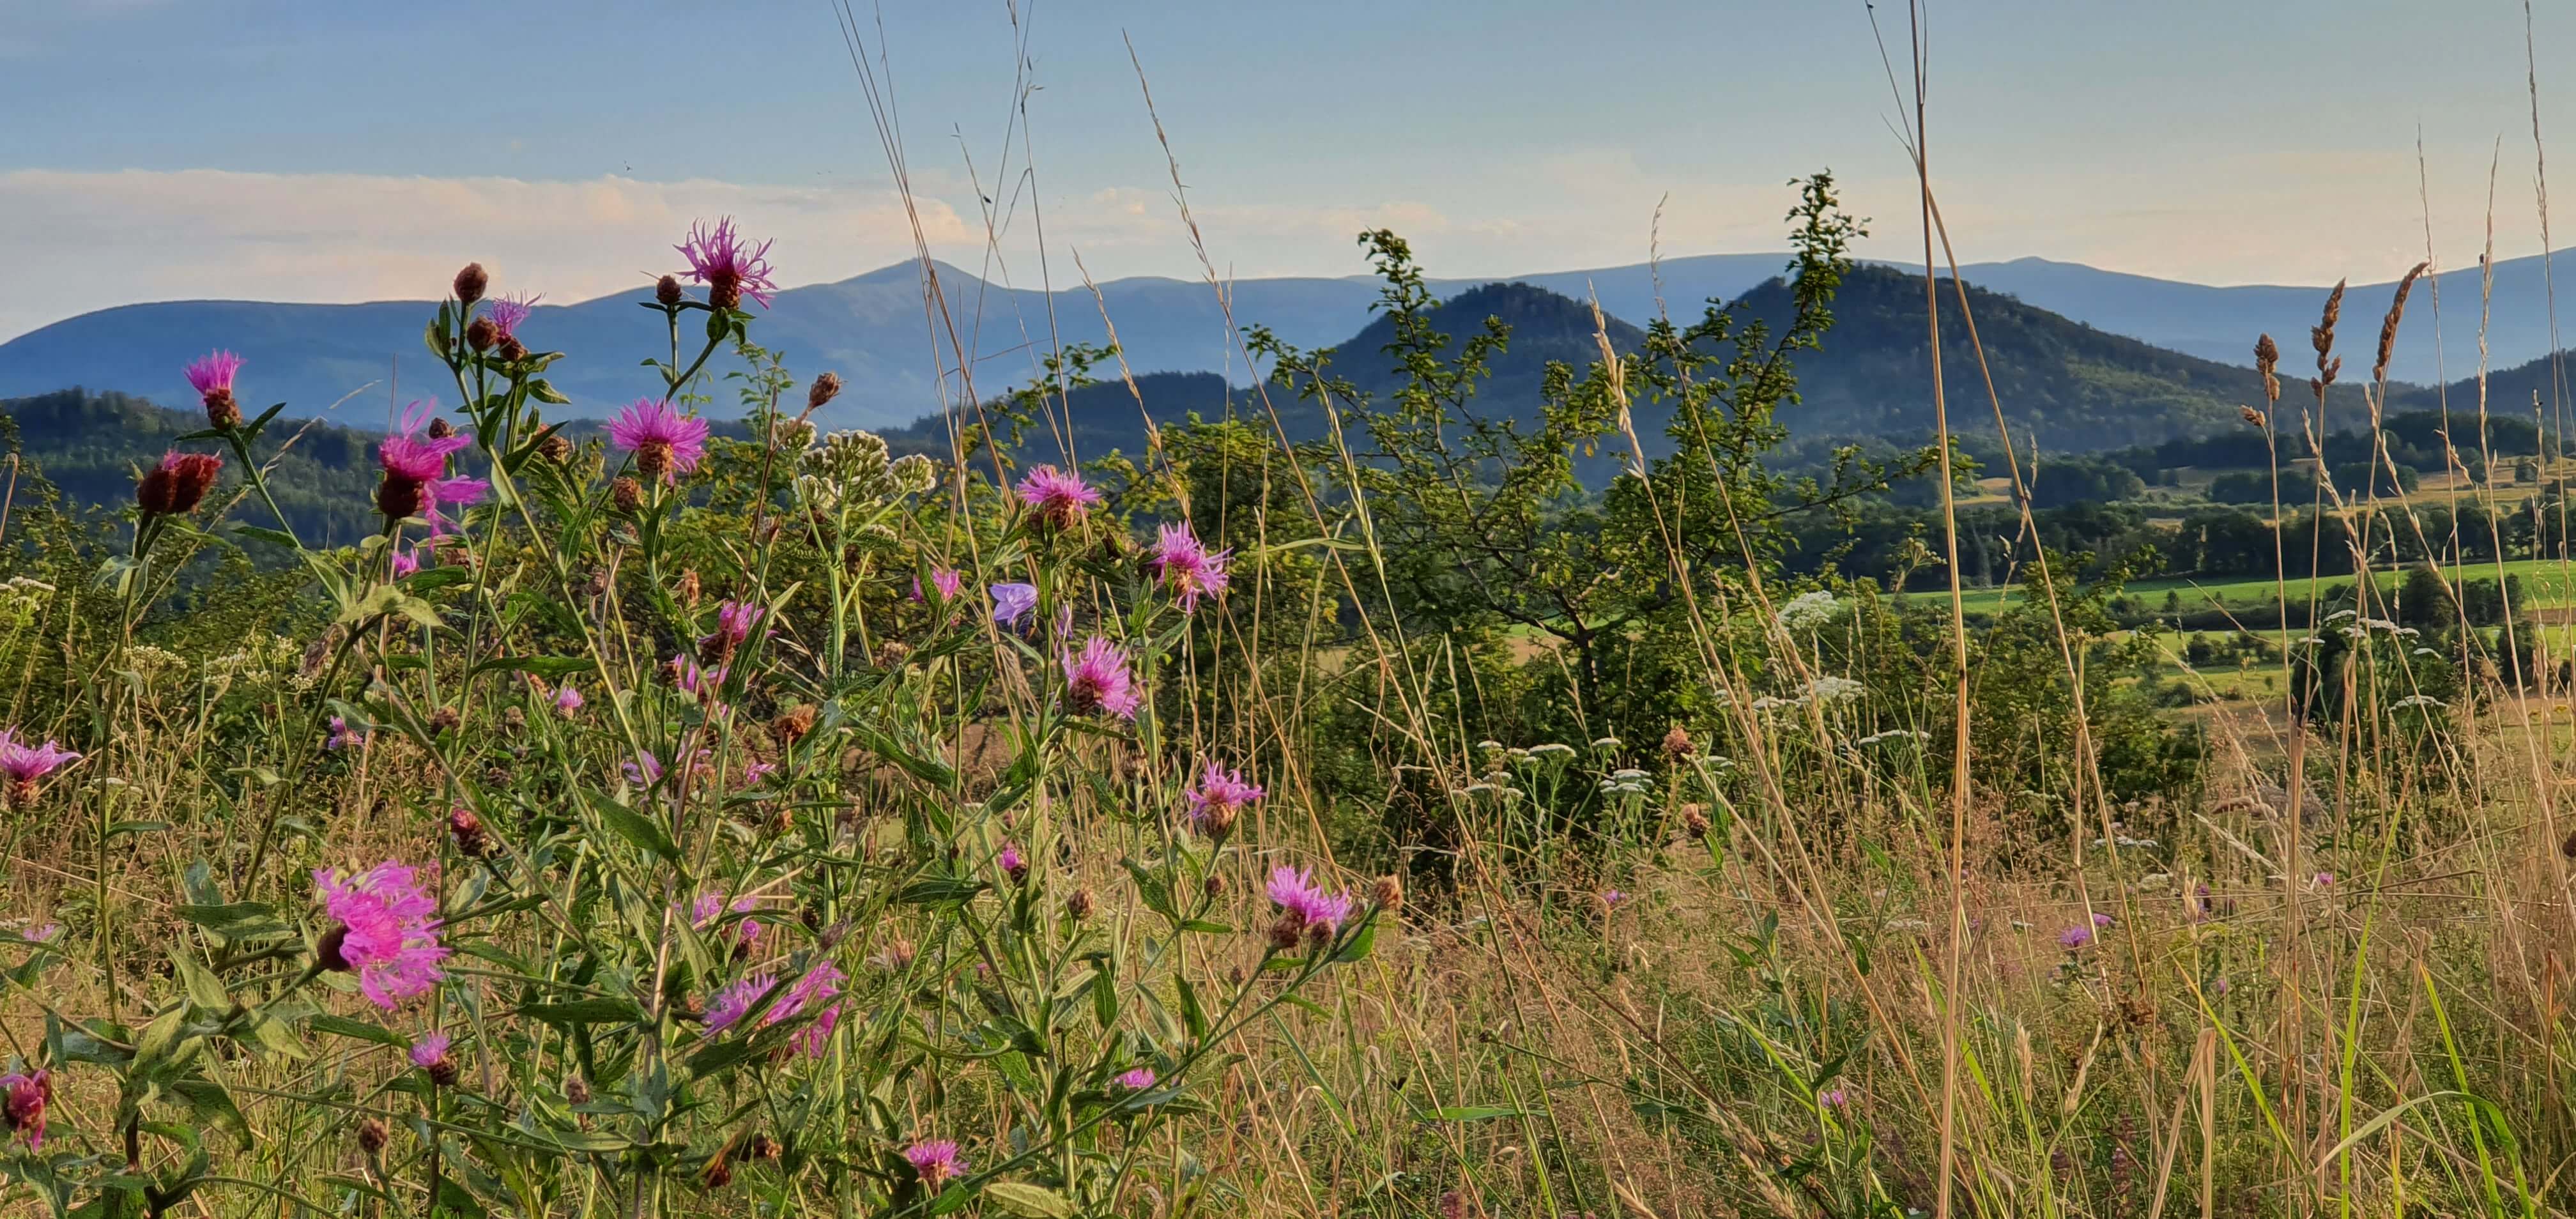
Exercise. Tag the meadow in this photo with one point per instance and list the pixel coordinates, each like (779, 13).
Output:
(1383, 824)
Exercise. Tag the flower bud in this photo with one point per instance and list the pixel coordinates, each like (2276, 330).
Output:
(372, 1136)
(444, 719)
(717, 1174)
(1677, 744)
(511, 350)
(1213, 886)
(556, 448)
(222, 410)
(467, 830)
(626, 494)
(1078, 906)
(1695, 821)
(667, 290)
(1285, 933)
(470, 283)
(178, 484)
(761, 1147)
(1388, 894)
(576, 1090)
(825, 388)
(481, 333)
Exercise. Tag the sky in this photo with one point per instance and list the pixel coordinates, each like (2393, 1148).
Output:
(294, 150)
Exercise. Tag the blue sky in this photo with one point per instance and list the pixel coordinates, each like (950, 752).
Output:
(336, 151)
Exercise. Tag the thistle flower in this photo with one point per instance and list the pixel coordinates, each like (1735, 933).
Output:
(178, 484)
(734, 1002)
(1610, 898)
(508, 313)
(440, 493)
(819, 985)
(413, 457)
(1185, 564)
(27, 1096)
(734, 620)
(728, 264)
(387, 931)
(406, 563)
(666, 443)
(1296, 894)
(1097, 680)
(212, 377)
(567, 701)
(936, 1162)
(466, 829)
(430, 1055)
(710, 906)
(1833, 1098)
(339, 735)
(644, 771)
(1137, 1080)
(1012, 864)
(470, 283)
(2075, 939)
(1013, 602)
(1059, 497)
(1219, 798)
(25, 763)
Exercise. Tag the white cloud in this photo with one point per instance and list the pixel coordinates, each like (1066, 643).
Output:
(95, 239)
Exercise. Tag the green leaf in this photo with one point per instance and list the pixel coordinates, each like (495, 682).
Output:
(137, 827)
(935, 892)
(391, 599)
(544, 391)
(635, 827)
(1360, 944)
(1192, 1014)
(1022, 1198)
(203, 988)
(235, 920)
(209, 1102)
(342, 1026)
(274, 537)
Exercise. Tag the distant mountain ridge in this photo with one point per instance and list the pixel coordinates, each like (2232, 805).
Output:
(875, 329)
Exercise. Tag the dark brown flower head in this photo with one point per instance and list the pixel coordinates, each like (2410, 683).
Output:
(221, 409)
(1388, 893)
(481, 333)
(398, 497)
(626, 493)
(471, 283)
(1285, 933)
(511, 350)
(761, 1147)
(1677, 744)
(653, 459)
(793, 724)
(178, 484)
(576, 1090)
(556, 448)
(1079, 905)
(1694, 821)
(444, 719)
(825, 388)
(667, 290)
(717, 1175)
(327, 950)
(467, 829)
(372, 1136)
(1213, 886)
(893, 653)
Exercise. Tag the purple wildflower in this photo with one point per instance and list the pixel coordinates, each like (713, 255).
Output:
(387, 932)
(644, 771)
(412, 457)
(25, 763)
(729, 265)
(1295, 891)
(2075, 939)
(1188, 566)
(1832, 1098)
(2325, 880)
(213, 373)
(449, 493)
(1013, 602)
(1097, 680)
(1219, 797)
(2100, 919)
(1610, 898)
(406, 563)
(936, 1162)
(820, 985)
(1137, 1080)
(1012, 864)
(508, 312)
(27, 1096)
(666, 443)
(1060, 497)
(42, 934)
(948, 580)
(734, 620)
(430, 1051)
(734, 1002)
(341, 735)
(567, 700)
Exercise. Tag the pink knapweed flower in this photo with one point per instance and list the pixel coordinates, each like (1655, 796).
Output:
(1295, 891)
(341, 736)
(567, 700)
(1219, 797)
(213, 373)
(666, 443)
(44, 933)
(734, 620)
(645, 770)
(1060, 497)
(2100, 919)
(24, 1105)
(1610, 898)
(936, 1162)
(2325, 880)
(728, 264)
(387, 931)
(1187, 566)
(948, 580)
(1137, 1080)
(412, 457)
(818, 989)
(25, 763)
(2075, 938)
(1832, 1098)
(430, 1050)
(734, 1002)
(710, 906)
(440, 493)
(1097, 679)
(406, 563)
(1012, 864)
(508, 312)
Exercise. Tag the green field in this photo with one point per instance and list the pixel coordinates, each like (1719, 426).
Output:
(2546, 584)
